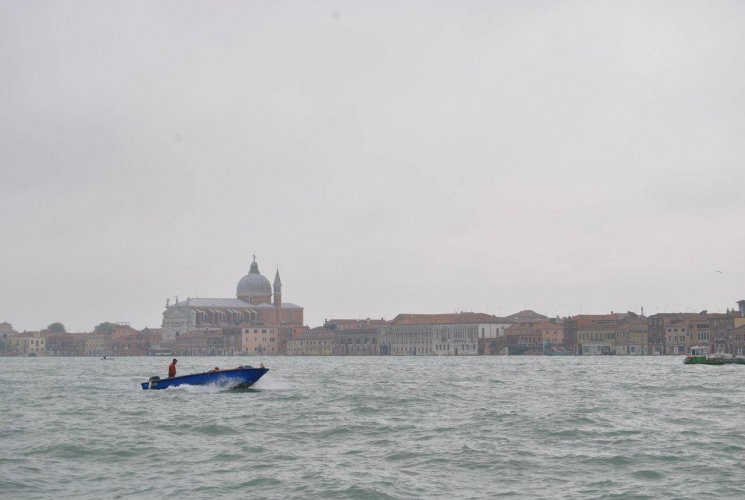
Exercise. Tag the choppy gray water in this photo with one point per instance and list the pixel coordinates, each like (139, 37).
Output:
(393, 427)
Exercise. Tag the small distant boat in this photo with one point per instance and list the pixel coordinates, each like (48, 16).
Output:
(244, 376)
(698, 356)
(106, 358)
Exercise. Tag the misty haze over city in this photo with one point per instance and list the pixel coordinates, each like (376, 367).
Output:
(388, 158)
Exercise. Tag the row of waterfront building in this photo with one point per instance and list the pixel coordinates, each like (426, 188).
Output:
(120, 339)
(257, 321)
(527, 332)
(458, 334)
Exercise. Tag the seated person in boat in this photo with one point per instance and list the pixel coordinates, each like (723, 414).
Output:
(215, 369)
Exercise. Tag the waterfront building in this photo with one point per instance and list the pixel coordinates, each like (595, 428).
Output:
(126, 341)
(678, 337)
(597, 339)
(657, 331)
(312, 342)
(738, 339)
(541, 337)
(16, 344)
(662, 338)
(99, 343)
(553, 333)
(65, 344)
(203, 342)
(662, 335)
(259, 340)
(37, 345)
(721, 326)
(436, 334)
(593, 334)
(232, 341)
(702, 329)
(738, 329)
(257, 302)
(25, 344)
(491, 334)
(632, 338)
(523, 338)
(357, 342)
(153, 337)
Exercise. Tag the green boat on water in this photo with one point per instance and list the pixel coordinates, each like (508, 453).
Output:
(698, 356)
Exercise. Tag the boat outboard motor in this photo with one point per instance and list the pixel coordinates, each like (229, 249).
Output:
(152, 380)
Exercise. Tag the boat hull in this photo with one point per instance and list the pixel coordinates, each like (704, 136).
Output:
(234, 378)
(714, 360)
(702, 360)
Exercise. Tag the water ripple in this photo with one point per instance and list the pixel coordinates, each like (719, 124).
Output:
(375, 428)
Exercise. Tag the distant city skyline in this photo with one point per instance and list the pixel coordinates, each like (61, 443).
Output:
(388, 158)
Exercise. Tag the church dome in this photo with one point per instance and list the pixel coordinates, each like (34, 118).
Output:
(253, 284)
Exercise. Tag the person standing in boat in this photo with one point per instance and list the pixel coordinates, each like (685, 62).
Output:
(172, 368)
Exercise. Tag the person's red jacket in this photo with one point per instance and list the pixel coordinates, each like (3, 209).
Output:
(172, 369)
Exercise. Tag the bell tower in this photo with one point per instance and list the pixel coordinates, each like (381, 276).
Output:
(277, 290)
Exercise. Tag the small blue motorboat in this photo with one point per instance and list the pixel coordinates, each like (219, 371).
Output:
(243, 376)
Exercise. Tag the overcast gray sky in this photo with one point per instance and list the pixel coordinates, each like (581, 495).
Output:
(388, 156)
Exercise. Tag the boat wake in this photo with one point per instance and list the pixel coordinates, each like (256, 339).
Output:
(204, 389)
(210, 388)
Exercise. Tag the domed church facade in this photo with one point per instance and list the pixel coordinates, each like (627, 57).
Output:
(256, 303)
(255, 288)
